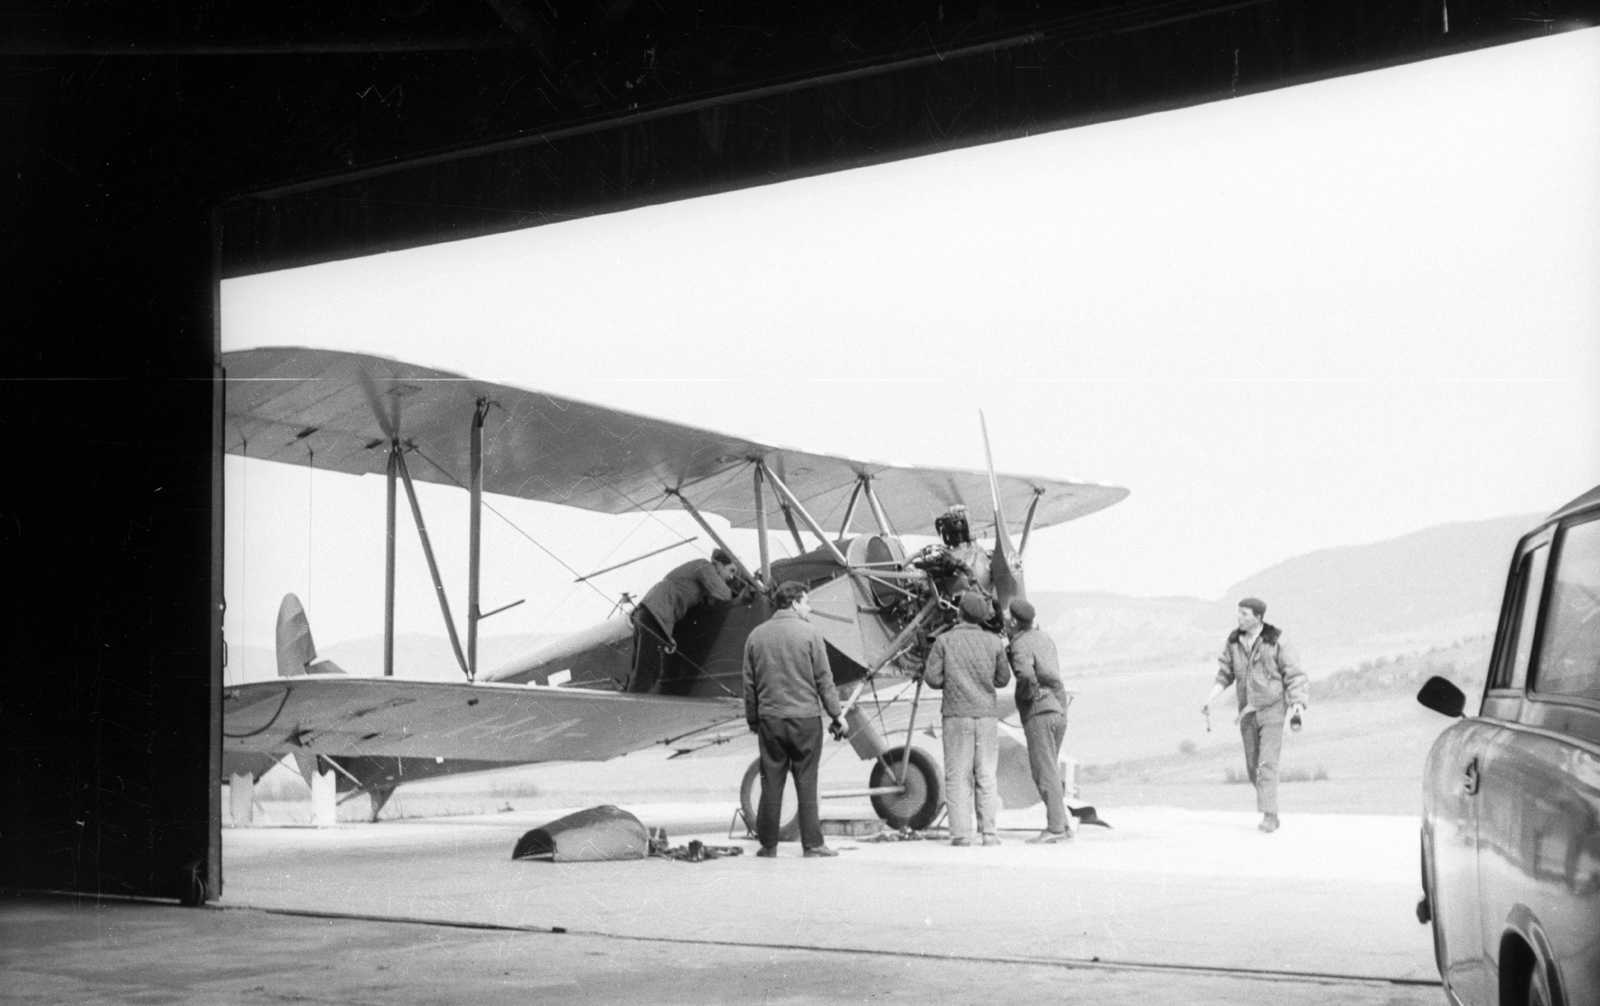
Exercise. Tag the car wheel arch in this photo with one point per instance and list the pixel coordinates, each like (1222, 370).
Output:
(1523, 950)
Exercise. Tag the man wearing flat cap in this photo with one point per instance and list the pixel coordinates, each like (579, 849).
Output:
(1042, 705)
(968, 663)
(698, 581)
(1270, 686)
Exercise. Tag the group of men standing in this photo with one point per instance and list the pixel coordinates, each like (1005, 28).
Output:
(969, 663)
(788, 684)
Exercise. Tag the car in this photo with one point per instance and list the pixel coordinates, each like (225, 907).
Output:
(1511, 796)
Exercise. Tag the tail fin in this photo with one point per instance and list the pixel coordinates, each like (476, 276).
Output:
(297, 654)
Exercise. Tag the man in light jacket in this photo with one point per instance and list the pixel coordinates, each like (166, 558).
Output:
(787, 685)
(968, 664)
(1270, 685)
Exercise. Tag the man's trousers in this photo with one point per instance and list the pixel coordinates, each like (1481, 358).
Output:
(1045, 732)
(1262, 731)
(650, 643)
(971, 757)
(789, 747)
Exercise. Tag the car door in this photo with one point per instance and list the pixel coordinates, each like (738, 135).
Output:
(1451, 837)
(1455, 785)
(1539, 823)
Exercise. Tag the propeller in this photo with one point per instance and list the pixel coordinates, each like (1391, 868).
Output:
(1005, 564)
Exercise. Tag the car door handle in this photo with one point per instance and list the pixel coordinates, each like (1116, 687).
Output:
(1471, 785)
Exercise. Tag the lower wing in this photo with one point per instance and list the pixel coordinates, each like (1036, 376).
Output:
(339, 715)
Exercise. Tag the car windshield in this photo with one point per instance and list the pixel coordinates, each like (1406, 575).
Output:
(1569, 662)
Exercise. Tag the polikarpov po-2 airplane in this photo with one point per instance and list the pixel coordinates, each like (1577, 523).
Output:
(878, 606)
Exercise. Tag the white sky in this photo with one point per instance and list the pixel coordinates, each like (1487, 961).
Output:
(1325, 315)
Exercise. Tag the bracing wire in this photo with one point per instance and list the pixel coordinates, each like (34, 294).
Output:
(563, 563)
(511, 523)
(311, 514)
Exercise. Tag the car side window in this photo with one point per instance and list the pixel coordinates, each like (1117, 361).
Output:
(1512, 668)
(1569, 657)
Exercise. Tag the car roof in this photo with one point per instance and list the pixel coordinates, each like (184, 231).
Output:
(1584, 502)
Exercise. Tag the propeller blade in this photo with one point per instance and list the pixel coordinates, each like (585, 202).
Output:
(1005, 565)
(1002, 537)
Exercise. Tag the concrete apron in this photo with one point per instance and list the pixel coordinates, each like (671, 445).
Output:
(1328, 894)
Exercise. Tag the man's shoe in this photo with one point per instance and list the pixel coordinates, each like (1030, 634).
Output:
(1269, 823)
(1050, 837)
(991, 840)
(767, 852)
(820, 851)
(963, 842)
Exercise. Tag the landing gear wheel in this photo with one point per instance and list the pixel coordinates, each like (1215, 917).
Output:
(918, 806)
(750, 799)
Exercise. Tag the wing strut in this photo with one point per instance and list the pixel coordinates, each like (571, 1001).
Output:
(388, 563)
(433, 565)
(743, 572)
(810, 522)
(1027, 523)
(877, 507)
(761, 527)
(474, 537)
(850, 508)
(794, 529)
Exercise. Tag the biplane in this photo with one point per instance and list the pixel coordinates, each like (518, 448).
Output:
(877, 602)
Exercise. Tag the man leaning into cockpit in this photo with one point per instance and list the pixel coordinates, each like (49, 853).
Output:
(698, 581)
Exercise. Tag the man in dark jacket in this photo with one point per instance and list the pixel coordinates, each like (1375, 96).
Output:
(787, 685)
(969, 663)
(698, 581)
(1042, 704)
(1269, 685)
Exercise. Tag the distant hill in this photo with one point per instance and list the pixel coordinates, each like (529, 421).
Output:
(1421, 589)
(1340, 605)
(1110, 630)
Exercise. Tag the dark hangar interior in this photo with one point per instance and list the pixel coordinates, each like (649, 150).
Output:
(151, 150)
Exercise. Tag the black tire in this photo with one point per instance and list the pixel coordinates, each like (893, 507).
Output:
(918, 806)
(1539, 986)
(750, 799)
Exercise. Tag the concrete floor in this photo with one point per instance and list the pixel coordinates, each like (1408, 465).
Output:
(1169, 906)
(87, 954)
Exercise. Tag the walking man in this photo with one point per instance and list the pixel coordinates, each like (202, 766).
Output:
(698, 581)
(787, 685)
(1269, 685)
(1042, 705)
(969, 663)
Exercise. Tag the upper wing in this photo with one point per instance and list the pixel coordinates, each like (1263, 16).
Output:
(337, 410)
(428, 719)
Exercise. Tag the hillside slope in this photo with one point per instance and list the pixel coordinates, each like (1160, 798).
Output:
(1420, 589)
